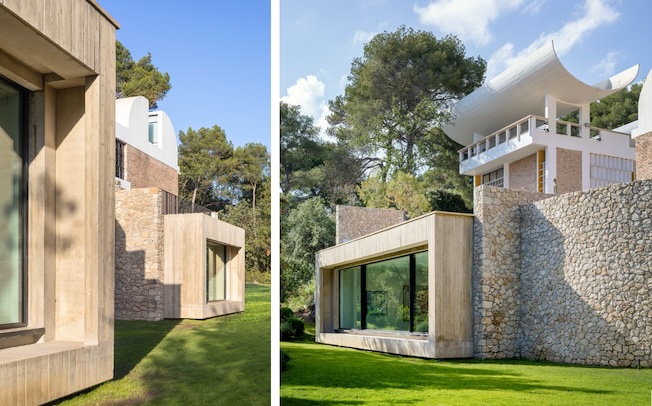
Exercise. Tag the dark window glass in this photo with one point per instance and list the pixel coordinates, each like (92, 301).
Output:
(386, 295)
(12, 206)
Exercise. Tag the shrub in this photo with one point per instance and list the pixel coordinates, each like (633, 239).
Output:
(286, 330)
(297, 326)
(290, 326)
(286, 313)
(285, 360)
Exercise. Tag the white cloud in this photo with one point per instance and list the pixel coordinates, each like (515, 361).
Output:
(595, 13)
(362, 37)
(308, 93)
(534, 7)
(468, 19)
(607, 65)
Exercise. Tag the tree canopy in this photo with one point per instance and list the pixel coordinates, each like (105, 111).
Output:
(204, 166)
(140, 78)
(233, 182)
(613, 111)
(398, 91)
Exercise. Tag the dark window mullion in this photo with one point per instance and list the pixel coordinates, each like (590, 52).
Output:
(363, 297)
(413, 295)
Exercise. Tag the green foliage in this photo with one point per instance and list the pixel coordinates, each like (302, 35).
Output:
(614, 110)
(331, 375)
(286, 313)
(442, 159)
(250, 208)
(285, 360)
(300, 148)
(140, 78)
(312, 167)
(204, 163)
(403, 192)
(399, 90)
(308, 228)
(234, 183)
(443, 200)
(311, 227)
(617, 109)
(292, 328)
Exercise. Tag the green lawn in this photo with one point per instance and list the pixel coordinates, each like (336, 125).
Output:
(224, 360)
(327, 375)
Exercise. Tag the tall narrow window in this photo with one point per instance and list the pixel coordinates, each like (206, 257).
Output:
(386, 295)
(216, 266)
(12, 207)
(119, 159)
(153, 129)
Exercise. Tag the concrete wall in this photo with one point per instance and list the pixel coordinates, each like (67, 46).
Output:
(644, 156)
(576, 271)
(569, 170)
(144, 171)
(185, 266)
(523, 174)
(448, 239)
(353, 222)
(67, 344)
(139, 254)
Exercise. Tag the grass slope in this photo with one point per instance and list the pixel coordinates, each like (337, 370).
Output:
(224, 360)
(326, 375)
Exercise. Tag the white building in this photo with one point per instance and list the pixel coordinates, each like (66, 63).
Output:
(514, 138)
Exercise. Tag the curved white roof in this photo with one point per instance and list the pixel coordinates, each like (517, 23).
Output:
(645, 107)
(132, 116)
(520, 91)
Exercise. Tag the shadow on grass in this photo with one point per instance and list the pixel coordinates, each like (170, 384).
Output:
(322, 366)
(134, 339)
(223, 360)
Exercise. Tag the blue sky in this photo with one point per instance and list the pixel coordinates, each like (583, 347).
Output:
(593, 38)
(217, 54)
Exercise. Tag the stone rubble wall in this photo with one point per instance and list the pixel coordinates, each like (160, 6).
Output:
(139, 254)
(495, 277)
(352, 222)
(565, 279)
(587, 277)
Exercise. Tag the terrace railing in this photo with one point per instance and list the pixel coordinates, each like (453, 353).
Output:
(517, 129)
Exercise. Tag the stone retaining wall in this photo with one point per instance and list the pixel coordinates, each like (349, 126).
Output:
(139, 254)
(565, 279)
(497, 259)
(353, 222)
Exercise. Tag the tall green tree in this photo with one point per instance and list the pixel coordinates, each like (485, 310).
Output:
(313, 167)
(204, 164)
(399, 90)
(300, 146)
(140, 78)
(309, 228)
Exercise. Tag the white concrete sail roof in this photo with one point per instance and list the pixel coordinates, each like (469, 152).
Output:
(645, 107)
(520, 91)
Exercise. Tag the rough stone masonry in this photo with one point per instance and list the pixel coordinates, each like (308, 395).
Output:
(565, 278)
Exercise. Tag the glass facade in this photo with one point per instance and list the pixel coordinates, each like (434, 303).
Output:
(216, 263)
(386, 295)
(12, 206)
